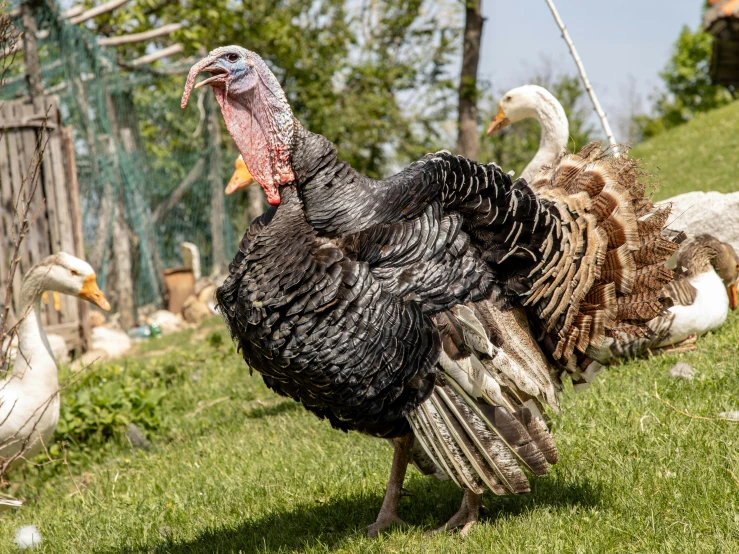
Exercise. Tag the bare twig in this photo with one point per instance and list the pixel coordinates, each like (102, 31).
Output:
(583, 75)
(686, 414)
(205, 405)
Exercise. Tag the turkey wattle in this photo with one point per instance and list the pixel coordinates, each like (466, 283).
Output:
(440, 307)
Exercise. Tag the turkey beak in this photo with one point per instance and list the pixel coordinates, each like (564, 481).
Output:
(240, 179)
(733, 295)
(500, 121)
(209, 64)
(92, 293)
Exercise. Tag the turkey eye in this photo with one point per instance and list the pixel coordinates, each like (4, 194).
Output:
(74, 272)
(232, 57)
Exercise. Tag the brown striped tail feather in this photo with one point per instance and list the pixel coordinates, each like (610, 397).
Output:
(616, 269)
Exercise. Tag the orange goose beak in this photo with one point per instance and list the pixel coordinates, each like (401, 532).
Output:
(500, 121)
(733, 295)
(241, 177)
(92, 293)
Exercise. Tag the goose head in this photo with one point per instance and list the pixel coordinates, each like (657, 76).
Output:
(726, 264)
(704, 253)
(65, 274)
(529, 101)
(241, 177)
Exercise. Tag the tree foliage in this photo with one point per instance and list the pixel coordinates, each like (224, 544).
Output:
(689, 89)
(515, 146)
(369, 75)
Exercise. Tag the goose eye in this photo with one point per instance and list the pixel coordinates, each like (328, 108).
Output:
(74, 272)
(507, 98)
(232, 57)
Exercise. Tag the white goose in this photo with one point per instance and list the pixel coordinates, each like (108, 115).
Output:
(703, 294)
(537, 102)
(29, 394)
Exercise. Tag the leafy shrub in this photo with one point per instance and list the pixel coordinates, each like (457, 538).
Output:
(99, 406)
(215, 339)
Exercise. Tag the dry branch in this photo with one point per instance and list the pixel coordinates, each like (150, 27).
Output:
(193, 175)
(99, 10)
(583, 75)
(688, 414)
(163, 53)
(140, 37)
(67, 14)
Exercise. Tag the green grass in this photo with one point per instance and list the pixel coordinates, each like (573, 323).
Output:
(234, 468)
(700, 155)
(241, 470)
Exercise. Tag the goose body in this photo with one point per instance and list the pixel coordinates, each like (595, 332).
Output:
(707, 312)
(703, 294)
(29, 394)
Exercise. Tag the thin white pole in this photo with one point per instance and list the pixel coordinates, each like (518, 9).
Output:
(583, 75)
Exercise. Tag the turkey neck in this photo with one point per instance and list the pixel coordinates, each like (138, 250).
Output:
(554, 137)
(329, 186)
(33, 345)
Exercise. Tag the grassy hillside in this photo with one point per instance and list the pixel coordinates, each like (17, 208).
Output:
(237, 469)
(701, 155)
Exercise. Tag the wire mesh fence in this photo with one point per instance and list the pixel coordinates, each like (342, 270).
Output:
(144, 188)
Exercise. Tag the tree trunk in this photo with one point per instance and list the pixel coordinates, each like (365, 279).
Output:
(468, 138)
(217, 204)
(123, 269)
(30, 50)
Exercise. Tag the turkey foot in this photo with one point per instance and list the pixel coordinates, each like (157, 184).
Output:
(466, 516)
(388, 515)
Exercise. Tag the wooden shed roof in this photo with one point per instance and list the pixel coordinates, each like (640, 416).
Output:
(721, 14)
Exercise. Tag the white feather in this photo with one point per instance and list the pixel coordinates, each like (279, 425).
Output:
(27, 537)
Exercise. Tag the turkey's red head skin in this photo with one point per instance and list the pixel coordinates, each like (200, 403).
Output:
(256, 113)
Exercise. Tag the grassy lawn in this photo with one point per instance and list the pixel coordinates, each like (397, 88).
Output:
(701, 155)
(236, 469)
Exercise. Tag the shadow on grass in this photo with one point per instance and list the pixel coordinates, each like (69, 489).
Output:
(330, 524)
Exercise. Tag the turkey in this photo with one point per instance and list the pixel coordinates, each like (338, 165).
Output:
(439, 308)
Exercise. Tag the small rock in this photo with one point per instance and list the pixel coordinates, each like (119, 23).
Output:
(113, 341)
(27, 537)
(707, 212)
(682, 371)
(167, 321)
(733, 415)
(195, 311)
(88, 358)
(137, 437)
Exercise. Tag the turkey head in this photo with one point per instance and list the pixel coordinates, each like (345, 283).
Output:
(256, 112)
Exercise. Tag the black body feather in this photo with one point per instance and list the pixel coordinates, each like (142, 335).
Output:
(331, 294)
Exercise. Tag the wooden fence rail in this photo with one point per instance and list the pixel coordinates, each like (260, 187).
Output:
(57, 227)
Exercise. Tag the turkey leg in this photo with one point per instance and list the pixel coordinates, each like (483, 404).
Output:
(388, 515)
(466, 516)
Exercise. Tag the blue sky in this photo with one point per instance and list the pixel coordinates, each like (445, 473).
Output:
(619, 42)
